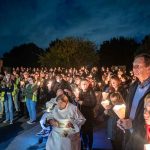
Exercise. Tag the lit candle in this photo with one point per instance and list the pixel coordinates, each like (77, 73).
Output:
(49, 83)
(120, 110)
(21, 83)
(105, 103)
(38, 83)
(146, 146)
(76, 92)
(63, 123)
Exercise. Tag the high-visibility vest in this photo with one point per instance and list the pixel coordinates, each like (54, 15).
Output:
(34, 97)
(17, 81)
(2, 96)
(15, 91)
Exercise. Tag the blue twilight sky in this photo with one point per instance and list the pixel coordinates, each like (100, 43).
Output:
(40, 21)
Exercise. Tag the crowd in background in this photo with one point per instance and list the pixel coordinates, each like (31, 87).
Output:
(25, 91)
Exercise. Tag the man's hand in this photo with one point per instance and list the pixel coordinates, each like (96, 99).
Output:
(119, 125)
(124, 124)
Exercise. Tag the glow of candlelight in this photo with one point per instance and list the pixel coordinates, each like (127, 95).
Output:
(49, 83)
(21, 82)
(105, 103)
(76, 92)
(63, 123)
(146, 146)
(38, 83)
(120, 110)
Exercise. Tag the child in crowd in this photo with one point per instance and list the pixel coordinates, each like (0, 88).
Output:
(113, 133)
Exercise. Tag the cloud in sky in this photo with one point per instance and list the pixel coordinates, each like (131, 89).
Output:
(40, 22)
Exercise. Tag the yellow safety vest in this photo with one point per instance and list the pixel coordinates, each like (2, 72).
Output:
(2, 96)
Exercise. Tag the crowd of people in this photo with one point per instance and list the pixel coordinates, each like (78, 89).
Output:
(73, 101)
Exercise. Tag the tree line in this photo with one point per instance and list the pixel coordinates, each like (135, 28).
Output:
(77, 52)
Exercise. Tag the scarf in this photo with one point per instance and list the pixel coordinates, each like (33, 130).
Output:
(148, 133)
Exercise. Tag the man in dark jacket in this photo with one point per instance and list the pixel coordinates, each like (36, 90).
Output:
(87, 102)
(133, 125)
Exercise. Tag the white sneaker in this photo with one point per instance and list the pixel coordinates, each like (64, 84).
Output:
(31, 122)
(5, 121)
(11, 122)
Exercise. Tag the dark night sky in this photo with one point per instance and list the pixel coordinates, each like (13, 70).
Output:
(40, 21)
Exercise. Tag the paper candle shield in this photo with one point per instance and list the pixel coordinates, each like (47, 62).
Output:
(146, 146)
(120, 110)
(105, 103)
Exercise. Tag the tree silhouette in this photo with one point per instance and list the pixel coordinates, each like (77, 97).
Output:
(26, 55)
(117, 51)
(76, 52)
(70, 52)
(145, 46)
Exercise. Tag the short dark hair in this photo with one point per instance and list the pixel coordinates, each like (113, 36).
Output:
(146, 57)
(118, 96)
(115, 77)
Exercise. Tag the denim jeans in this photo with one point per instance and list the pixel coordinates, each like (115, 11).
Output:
(1, 108)
(31, 106)
(8, 103)
(16, 103)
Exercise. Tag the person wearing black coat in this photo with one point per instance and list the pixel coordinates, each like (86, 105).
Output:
(86, 102)
(134, 125)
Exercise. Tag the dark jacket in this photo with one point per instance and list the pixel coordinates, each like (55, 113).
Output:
(7, 89)
(136, 139)
(87, 107)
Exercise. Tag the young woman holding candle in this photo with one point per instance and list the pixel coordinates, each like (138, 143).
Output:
(114, 134)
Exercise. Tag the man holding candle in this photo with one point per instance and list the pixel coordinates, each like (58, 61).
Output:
(134, 124)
